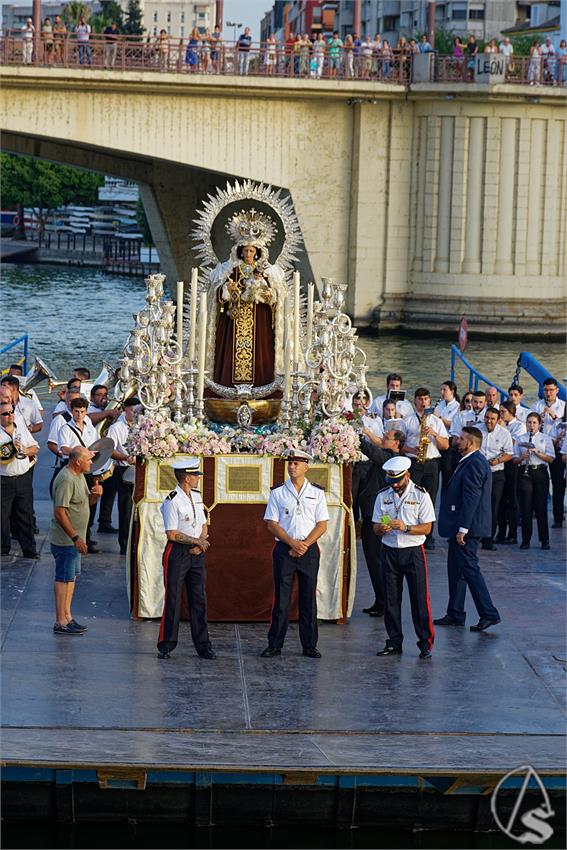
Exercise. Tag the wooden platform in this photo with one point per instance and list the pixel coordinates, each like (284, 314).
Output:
(80, 707)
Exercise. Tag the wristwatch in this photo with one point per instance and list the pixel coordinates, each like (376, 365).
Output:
(75, 538)
(408, 529)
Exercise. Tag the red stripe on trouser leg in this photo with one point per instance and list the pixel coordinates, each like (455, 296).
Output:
(166, 555)
(431, 629)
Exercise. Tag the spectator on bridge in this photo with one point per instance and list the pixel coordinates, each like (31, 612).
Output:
(534, 68)
(386, 59)
(83, 33)
(162, 50)
(458, 54)
(549, 63)
(59, 36)
(413, 47)
(270, 54)
(244, 45)
(319, 48)
(192, 52)
(367, 51)
(491, 47)
(507, 50)
(562, 62)
(403, 52)
(206, 51)
(357, 44)
(349, 57)
(424, 45)
(47, 39)
(304, 56)
(334, 49)
(377, 56)
(110, 34)
(471, 50)
(216, 41)
(28, 33)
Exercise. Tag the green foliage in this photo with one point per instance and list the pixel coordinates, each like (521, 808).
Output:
(73, 12)
(143, 223)
(522, 44)
(133, 23)
(110, 12)
(44, 186)
(444, 42)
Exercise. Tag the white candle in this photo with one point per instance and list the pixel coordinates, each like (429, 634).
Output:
(287, 372)
(180, 313)
(310, 296)
(296, 292)
(202, 344)
(193, 314)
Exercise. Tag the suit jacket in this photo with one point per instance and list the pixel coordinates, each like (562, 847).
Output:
(375, 480)
(465, 503)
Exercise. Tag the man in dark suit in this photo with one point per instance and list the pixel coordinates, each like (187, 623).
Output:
(378, 450)
(465, 518)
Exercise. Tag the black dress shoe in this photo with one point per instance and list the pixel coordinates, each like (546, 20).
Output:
(270, 652)
(163, 655)
(524, 545)
(374, 611)
(558, 524)
(447, 621)
(312, 653)
(123, 550)
(92, 549)
(107, 529)
(511, 541)
(545, 546)
(209, 654)
(33, 556)
(500, 540)
(390, 650)
(483, 624)
(425, 653)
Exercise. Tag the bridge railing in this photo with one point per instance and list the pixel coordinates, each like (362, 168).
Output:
(23, 359)
(179, 55)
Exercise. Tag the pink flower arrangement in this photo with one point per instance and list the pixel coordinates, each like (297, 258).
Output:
(334, 441)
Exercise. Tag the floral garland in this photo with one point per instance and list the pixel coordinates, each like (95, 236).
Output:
(329, 441)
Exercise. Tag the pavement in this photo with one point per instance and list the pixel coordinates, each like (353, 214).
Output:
(485, 702)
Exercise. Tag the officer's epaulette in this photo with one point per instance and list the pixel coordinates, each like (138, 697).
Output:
(318, 486)
(419, 487)
(195, 490)
(172, 495)
(276, 486)
(383, 490)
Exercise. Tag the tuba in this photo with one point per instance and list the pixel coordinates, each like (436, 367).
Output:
(120, 396)
(40, 371)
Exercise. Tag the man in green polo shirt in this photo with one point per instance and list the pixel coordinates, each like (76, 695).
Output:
(67, 534)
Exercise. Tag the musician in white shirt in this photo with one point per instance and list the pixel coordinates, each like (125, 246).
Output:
(509, 513)
(124, 464)
(516, 394)
(533, 455)
(393, 384)
(552, 409)
(497, 447)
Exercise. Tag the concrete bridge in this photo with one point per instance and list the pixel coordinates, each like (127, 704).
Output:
(430, 202)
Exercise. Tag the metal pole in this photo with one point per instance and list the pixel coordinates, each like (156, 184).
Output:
(356, 17)
(219, 13)
(36, 17)
(431, 23)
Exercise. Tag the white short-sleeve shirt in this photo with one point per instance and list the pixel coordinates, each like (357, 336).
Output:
(297, 513)
(68, 434)
(17, 466)
(412, 428)
(495, 443)
(413, 507)
(118, 433)
(30, 411)
(185, 513)
(557, 407)
(539, 441)
(403, 408)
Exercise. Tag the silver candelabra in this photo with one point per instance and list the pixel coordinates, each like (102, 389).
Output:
(151, 357)
(335, 363)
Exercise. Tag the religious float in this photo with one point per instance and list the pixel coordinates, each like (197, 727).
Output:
(247, 368)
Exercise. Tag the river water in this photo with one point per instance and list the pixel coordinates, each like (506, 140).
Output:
(80, 316)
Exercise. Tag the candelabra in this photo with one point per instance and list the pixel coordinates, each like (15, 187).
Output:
(151, 357)
(335, 363)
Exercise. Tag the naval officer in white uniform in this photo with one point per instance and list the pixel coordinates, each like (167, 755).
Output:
(403, 515)
(185, 524)
(297, 516)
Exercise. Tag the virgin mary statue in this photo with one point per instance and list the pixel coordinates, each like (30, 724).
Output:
(247, 295)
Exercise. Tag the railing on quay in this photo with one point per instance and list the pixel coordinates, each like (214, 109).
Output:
(475, 377)
(178, 55)
(23, 360)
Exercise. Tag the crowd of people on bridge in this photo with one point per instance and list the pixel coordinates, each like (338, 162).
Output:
(370, 57)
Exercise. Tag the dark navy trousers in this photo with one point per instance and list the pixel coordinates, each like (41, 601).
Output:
(464, 571)
(372, 545)
(285, 568)
(181, 568)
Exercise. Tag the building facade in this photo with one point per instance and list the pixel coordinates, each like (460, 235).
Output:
(177, 17)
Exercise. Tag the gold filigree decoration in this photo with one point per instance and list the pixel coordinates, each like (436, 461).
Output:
(244, 316)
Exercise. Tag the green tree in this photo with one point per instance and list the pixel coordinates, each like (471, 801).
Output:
(133, 23)
(110, 12)
(45, 186)
(73, 12)
(522, 44)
